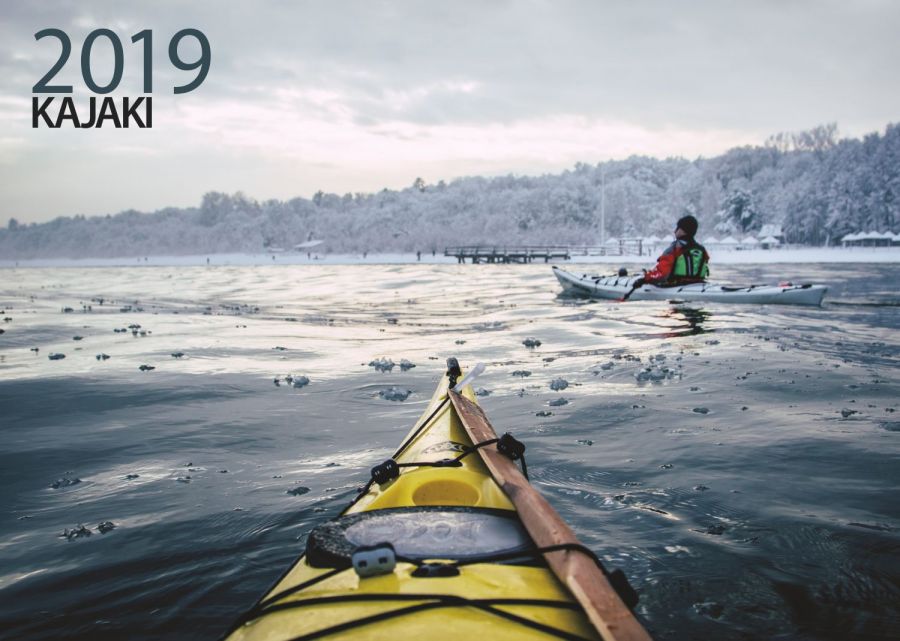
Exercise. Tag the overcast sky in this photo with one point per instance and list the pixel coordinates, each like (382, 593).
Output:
(356, 96)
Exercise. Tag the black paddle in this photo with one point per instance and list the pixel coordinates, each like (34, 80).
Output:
(637, 284)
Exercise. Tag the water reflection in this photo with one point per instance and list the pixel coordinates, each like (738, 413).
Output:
(693, 317)
(677, 321)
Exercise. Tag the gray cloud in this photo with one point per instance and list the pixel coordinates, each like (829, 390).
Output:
(752, 67)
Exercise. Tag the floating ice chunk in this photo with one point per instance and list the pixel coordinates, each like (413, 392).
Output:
(382, 364)
(106, 526)
(709, 609)
(655, 374)
(76, 532)
(64, 482)
(394, 394)
(492, 326)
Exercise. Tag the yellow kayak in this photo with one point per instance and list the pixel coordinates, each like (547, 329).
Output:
(447, 539)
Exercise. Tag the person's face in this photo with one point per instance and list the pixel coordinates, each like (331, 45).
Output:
(680, 233)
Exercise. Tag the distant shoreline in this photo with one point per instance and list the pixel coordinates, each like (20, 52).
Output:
(726, 257)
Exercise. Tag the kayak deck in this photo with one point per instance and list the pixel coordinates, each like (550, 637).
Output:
(342, 607)
(465, 562)
(617, 287)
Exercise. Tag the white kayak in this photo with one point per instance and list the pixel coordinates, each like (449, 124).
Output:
(616, 287)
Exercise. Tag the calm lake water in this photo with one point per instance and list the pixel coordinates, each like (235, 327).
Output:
(747, 484)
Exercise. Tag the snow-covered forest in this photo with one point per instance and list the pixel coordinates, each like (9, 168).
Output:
(815, 185)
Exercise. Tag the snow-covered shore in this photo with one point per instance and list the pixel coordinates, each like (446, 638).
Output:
(727, 257)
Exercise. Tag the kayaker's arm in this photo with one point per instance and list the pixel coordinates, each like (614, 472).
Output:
(664, 266)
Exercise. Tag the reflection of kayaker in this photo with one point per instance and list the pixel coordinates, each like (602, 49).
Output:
(447, 540)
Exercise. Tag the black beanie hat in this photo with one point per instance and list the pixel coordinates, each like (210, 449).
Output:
(688, 224)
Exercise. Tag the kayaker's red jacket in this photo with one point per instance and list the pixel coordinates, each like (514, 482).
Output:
(684, 261)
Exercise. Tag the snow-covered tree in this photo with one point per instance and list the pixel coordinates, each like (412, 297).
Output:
(738, 213)
(816, 187)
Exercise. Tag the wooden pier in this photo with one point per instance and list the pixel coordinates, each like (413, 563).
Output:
(531, 253)
(496, 254)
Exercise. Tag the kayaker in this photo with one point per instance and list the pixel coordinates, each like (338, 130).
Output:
(684, 261)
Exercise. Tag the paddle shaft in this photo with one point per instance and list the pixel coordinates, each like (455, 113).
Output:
(637, 285)
(609, 615)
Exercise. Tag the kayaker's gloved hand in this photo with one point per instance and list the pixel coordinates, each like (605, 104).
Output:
(640, 282)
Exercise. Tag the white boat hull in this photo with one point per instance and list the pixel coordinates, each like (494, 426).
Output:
(615, 287)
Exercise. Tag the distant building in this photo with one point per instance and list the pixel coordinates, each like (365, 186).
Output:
(773, 230)
(749, 242)
(769, 242)
(871, 239)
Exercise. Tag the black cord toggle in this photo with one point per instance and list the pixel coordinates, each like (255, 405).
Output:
(453, 371)
(620, 584)
(510, 447)
(384, 472)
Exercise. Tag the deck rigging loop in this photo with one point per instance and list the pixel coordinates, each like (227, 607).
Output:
(507, 445)
(438, 570)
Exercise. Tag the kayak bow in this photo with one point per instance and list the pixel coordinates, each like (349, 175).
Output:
(447, 539)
